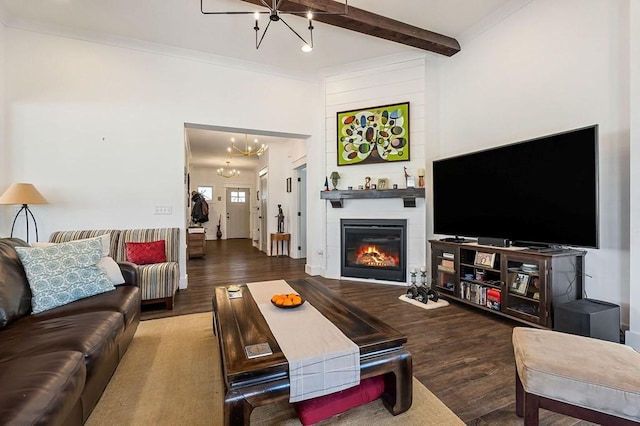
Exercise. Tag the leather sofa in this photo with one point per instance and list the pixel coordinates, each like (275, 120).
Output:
(55, 365)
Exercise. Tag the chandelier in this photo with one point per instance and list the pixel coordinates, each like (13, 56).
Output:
(275, 16)
(248, 151)
(228, 172)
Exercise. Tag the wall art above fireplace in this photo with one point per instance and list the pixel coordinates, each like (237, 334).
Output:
(373, 135)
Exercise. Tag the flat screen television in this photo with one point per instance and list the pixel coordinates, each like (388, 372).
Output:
(542, 191)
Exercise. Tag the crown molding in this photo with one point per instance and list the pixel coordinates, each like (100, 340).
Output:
(156, 48)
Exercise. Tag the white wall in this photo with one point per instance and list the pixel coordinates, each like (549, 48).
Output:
(369, 84)
(100, 129)
(551, 66)
(633, 335)
(4, 180)
(282, 158)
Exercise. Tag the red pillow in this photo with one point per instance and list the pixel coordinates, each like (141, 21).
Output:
(146, 253)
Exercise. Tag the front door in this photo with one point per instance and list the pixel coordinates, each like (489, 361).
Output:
(238, 213)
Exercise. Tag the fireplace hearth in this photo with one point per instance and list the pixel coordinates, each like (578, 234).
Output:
(374, 249)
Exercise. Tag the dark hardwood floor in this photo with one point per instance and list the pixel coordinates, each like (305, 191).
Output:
(464, 356)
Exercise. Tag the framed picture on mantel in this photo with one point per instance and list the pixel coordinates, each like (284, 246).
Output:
(373, 135)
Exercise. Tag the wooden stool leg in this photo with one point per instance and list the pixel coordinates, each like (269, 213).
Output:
(519, 396)
(531, 409)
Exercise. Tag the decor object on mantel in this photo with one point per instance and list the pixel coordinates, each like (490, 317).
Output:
(25, 194)
(373, 135)
(275, 16)
(248, 151)
(228, 172)
(408, 195)
(335, 176)
(421, 178)
(326, 183)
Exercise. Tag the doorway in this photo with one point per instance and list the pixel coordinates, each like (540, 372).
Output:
(238, 213)
(302, 212)
(263, 211)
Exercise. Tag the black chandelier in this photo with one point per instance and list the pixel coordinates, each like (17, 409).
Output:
(275, 16)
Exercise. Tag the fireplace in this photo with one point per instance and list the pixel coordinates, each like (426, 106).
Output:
(374, 248)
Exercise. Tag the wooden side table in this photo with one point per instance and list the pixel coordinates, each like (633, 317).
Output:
(280, 239)
(196, 244)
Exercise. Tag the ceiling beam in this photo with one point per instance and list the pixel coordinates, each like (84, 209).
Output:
(369, 23)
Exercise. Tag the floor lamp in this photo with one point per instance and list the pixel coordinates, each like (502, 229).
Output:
(25, 194)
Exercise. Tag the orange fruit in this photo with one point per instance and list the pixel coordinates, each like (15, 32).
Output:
(287, 302)
(296, 299)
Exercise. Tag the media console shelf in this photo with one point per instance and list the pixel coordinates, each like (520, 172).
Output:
(408, 195)
(520, 284)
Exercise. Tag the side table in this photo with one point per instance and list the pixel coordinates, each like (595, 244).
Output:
(280, 238)
(196, 240)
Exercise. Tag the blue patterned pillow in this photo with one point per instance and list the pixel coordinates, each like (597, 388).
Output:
(63, 273)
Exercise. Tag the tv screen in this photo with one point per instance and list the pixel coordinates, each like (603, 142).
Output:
(540, 191)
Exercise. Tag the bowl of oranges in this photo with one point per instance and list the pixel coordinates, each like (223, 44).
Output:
(287, 301)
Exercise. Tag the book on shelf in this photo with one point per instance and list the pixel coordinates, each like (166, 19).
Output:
(445, 269)
(493, 298)
(447, 255)
(447, 263)
(258, 350)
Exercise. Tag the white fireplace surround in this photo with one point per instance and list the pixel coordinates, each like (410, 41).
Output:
(391, 208)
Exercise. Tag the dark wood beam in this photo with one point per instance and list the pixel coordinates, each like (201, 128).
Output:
(369, 23)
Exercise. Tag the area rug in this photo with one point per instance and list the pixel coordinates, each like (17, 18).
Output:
(171, 376)
(429, 305)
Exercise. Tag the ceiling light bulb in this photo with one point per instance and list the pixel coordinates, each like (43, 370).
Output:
(306, 48)
(309, 15)
(229, 149)
(256, 15)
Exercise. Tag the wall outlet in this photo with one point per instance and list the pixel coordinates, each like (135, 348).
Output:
(163, 210)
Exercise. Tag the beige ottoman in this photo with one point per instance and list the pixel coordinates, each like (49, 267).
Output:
(581, 377)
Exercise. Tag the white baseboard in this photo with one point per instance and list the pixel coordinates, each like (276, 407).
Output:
(314, 270)
(184, 282)
(632, 338)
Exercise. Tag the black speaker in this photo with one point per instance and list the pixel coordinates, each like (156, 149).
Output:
(497, 242)
(588, 317)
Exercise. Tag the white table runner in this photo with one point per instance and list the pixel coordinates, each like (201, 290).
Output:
(322, 360)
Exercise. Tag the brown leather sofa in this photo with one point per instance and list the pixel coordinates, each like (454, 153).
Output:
(54, 365)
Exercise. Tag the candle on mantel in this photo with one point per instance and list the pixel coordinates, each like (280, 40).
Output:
(420, 178)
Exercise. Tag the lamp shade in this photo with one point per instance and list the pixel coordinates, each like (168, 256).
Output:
(22, 193)
(334, 175)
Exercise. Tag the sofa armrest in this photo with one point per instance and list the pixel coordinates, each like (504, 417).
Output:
(129, 272)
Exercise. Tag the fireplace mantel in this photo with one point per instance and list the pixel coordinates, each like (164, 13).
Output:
(408, 195)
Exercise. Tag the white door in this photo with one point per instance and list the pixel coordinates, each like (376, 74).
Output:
(238, 213)
(264, 243)
(302, 212)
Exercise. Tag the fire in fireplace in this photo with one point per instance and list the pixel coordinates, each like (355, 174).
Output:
(374, 248)
(373, 256)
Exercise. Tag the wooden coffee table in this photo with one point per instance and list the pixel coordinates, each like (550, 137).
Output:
(250, 383)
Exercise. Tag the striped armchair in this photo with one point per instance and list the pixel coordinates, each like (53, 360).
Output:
(158, 282)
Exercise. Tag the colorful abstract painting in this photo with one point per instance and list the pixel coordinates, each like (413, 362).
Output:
(374, 135)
